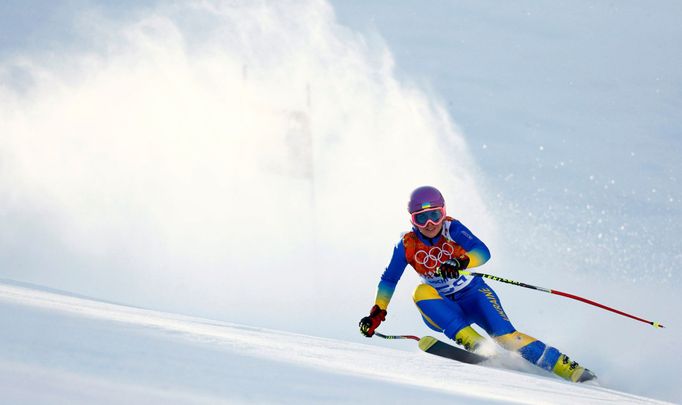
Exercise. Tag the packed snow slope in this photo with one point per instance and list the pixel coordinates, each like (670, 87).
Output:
(58, 348)
(250, 161)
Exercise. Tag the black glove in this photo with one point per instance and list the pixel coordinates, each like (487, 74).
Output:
(451, 267)
(369, 323)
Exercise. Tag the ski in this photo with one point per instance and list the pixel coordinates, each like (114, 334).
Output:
(431, 345)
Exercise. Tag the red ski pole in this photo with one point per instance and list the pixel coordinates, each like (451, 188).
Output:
(563, 294)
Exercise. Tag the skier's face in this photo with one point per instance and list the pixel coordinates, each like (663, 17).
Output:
(431, 229)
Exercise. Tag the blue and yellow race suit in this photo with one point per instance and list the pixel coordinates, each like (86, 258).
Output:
(450, 306)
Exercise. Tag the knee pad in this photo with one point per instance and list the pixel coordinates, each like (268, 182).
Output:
(515, 340)
(531, 349)
(425, 292)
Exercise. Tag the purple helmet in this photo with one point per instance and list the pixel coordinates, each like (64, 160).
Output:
(425, 197)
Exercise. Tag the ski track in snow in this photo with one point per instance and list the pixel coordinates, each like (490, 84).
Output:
(63, 348)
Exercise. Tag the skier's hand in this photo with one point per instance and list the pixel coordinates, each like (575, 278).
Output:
(369, 323)
(451, 267)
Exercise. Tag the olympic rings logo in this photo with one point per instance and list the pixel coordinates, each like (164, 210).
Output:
(435, 256)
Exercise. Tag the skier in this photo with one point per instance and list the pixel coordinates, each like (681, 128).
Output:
(438, 247)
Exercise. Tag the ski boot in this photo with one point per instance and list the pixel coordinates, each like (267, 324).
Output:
(571, 370)
(469, 338)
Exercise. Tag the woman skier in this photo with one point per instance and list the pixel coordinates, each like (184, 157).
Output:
(437, 248)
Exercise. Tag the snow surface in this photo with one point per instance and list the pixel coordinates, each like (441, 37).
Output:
(249, 162)
(66, 349)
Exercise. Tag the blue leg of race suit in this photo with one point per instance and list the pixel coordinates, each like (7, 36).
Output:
(483, 308)
(439, 314)
(486, 310)
(479, 304)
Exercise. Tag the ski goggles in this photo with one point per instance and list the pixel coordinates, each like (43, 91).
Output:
(434, 215)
